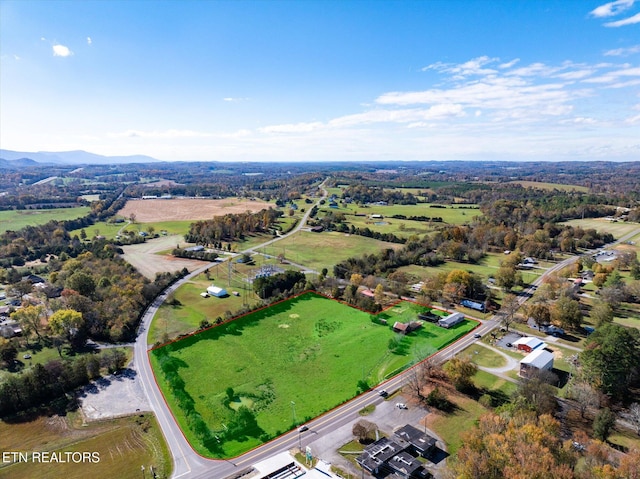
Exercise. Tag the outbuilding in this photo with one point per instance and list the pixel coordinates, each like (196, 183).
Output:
(528, 344)
(217, 291)
(538, 360)
(451, 320)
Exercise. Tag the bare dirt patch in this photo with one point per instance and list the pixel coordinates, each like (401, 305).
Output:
(146, 257)
(180, 209)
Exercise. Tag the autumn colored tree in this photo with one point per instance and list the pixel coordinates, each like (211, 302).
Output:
(378, 294)
(460, 371)
(65, 322)
(30, 318)
(566, 312)
(524, 446)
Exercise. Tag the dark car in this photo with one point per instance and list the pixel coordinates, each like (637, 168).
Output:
(383, 393)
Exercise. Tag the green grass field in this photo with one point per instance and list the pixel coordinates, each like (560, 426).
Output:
(450, 214)
(324, 250)
(17, 219)
(310, 350)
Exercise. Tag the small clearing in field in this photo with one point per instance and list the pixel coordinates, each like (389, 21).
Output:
(146, 259)
(179, 209)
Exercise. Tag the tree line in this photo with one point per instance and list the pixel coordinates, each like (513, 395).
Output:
(231, 227)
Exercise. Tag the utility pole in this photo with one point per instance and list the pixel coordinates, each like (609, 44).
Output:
(293, 410)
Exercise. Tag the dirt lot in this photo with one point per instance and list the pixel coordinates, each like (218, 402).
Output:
(177, 209)
(146, 259)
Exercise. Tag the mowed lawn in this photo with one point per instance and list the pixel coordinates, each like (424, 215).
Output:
(309, 350)
(17, 219)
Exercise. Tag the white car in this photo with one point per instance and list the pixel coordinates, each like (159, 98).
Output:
(401, 405)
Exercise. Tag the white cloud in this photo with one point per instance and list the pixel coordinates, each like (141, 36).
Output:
(615, 76)
(612, 8)
(89, 41)
(474, 66)
(579, 121)
(502, 66)
(576, 74)
(633, 120)
(171, 134)
(234, 99)
(61, 51)
(622, 52)
(627, 21)
(292, 128)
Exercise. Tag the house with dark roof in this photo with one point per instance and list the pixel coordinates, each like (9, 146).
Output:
(33, 279)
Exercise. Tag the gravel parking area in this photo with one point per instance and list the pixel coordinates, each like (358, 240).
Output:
(114, 395)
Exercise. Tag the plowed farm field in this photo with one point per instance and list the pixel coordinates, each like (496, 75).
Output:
(180, 209)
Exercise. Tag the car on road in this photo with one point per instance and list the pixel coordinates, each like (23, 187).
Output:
(401, 405)
(303, 429)
(477, 335)
(383, 393)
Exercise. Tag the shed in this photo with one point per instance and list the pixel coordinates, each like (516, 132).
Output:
(528, 344)
(451, 320)
(217, 291)
(538, 360)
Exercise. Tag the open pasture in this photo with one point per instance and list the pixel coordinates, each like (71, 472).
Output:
(323, 250)
(450, 214)
(617, 229)
(550, 186)
(178, 209)
(287, 363)
(15, 220)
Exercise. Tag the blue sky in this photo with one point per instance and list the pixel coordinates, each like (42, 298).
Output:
(323, 80)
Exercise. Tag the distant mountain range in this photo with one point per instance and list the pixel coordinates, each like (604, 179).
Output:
(21, 159)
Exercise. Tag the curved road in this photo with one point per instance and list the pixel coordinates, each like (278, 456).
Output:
(187, 463)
